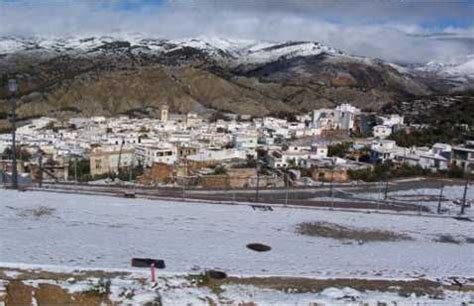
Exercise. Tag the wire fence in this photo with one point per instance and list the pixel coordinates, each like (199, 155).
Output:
(417, 195)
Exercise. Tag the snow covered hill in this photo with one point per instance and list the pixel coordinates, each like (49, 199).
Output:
(242, 51)
(461, 69)
(205, 73)
(235, 51)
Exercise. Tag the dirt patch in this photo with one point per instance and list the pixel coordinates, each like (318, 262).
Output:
(37, 212)
(19, 294)
(447, 238)
(41, 274)
(420, 287)
(336, 231)
(469, 239)
(47, 294)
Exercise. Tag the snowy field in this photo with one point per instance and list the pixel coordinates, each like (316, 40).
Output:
(104, 232)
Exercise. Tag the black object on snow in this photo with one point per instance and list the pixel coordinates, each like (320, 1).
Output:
(215, 274)
(258, 247)
(146, 263)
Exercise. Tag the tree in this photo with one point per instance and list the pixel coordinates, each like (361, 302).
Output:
(251, 162)
(21, 153)
(220, 170)
(446, 133)
(290, 117)
(217, 116)
(340, 149)
(83, 170)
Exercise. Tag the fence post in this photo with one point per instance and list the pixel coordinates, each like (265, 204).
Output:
(258, 183)
(463, 204)
(40, 162)
(440, 198)
(378, 199)
(153, 276)
(233, 195)
(184, 188)
(75, 169)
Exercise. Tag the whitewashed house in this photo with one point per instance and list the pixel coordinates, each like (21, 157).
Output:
(244, 141)
(147, 154)
(318, 151)
(463, 156)
(382, 150)
(381, 131)
(340, 118)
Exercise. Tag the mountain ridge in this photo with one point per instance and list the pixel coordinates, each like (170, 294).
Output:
(201, 74)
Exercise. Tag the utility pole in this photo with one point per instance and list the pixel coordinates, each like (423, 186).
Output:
(13, 89)
(287, 188)
(440, 198)
(463, 204)
(120, 157)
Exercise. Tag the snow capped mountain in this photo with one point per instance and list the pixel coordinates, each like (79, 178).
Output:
(240, 51)
(211, 72)
(457, 68)
(271, 52)
(233, 52)
(230, 52)
(241, 76)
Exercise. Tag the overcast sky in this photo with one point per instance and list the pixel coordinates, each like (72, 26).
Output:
(400, 31)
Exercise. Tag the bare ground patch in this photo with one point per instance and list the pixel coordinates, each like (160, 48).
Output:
(447, 238)
(45, 293)
(405, 288)
(339, 232)
(37, 212)
(22, 274)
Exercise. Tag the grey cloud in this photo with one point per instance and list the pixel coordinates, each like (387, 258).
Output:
(385, 29)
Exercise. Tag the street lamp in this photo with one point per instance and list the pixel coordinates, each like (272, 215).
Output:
(13, 89)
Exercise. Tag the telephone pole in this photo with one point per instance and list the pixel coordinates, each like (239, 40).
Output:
(13, 89)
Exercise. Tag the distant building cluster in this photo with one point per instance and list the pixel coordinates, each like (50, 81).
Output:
(217, 152)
